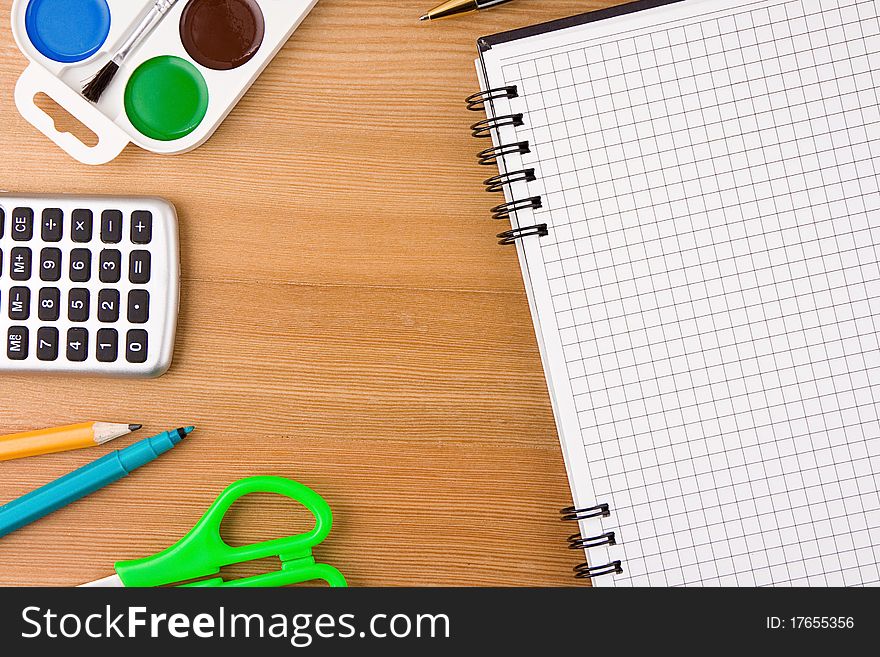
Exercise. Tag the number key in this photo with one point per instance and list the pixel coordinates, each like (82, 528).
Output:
(47, 343)
(77, 344)
(78, 305)
(81, 226)
(50, 264)
(50, 300)
(109, 266)
(136, 346)
(53, 225)
(108, 306)
(80, 265)
(108, 345)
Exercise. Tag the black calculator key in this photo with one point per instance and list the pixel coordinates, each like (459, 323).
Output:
(141, 227)
(81, 226)
(110, 266)
(1, 262)
(49, 304)
(20, 263)
(139, 267)
(77, 344)
(108, 345)
(19, 303)
(2, 221)
(53, 225)
(17, 343)
(78, 305)
(50, 264)
(47, 343)
(108, 306)
(22, 224)
(138, 306)
(111, 226)
(80, 265)
(136, 346)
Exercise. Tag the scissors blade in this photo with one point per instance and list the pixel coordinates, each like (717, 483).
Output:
(112, 582)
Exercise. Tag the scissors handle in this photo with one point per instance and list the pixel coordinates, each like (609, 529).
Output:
(202, 552)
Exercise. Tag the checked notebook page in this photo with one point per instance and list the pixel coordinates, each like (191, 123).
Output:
(707, 297)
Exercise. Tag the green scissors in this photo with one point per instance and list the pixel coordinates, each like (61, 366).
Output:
(196, 559)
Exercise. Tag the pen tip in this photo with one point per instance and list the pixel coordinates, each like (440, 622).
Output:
(134, 427)
(425, 18)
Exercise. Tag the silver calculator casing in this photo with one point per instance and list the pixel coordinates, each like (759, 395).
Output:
(163, 286)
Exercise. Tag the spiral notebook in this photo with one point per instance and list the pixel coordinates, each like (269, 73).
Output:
(692, 188)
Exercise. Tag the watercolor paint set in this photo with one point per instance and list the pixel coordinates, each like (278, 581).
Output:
(179, 80)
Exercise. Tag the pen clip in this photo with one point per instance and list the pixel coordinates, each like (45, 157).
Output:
(203, 552)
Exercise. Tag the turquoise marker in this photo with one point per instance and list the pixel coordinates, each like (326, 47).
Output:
(86, 480)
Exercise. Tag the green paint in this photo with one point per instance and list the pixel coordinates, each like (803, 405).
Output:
(166, 98)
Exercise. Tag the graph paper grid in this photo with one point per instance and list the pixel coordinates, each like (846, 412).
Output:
(710, 184)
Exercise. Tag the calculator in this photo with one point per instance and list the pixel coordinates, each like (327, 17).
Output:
(88, 284)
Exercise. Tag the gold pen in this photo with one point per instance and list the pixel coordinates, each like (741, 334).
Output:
(454, 7)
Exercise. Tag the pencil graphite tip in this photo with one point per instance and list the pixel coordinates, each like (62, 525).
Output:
(134, 427)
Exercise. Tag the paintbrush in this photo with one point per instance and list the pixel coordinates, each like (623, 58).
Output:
(98, 84)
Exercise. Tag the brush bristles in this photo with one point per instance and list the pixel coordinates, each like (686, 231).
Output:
(98, 84)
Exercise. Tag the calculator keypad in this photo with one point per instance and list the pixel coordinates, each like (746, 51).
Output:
(53, 225)
(87, 287)
(20, 263)
(50, 264)
(22, 224)
(81, 226)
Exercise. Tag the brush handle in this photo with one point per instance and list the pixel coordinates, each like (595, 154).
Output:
(142, 29)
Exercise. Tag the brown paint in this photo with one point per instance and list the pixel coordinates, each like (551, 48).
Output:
(222, 34)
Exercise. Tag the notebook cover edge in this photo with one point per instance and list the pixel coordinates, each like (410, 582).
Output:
(487, 42)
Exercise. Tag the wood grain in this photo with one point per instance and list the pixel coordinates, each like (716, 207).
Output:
(347, 320)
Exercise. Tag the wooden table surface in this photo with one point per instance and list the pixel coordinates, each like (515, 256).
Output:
(347, 320)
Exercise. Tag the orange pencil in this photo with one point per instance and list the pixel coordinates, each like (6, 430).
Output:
(61, 439)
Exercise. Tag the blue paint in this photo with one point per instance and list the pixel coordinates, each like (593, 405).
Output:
(67, 30)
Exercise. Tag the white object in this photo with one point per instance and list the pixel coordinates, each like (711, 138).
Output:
(107, 119)
(53, 295)
(111, 582)
(707, 301)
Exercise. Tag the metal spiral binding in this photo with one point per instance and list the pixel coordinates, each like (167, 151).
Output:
(578, 542)
(477, 102)
(497, 183)
(514, 234)
(572, 513)
(483, 129)
(504, 210)
(586, 571)
(490, 156)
